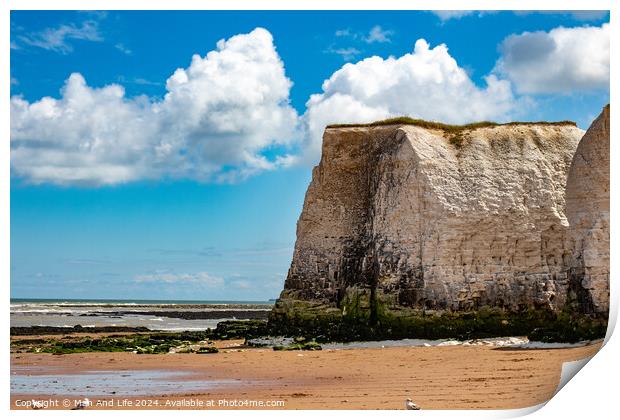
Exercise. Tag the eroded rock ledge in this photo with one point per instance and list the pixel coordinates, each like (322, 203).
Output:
(431, 230)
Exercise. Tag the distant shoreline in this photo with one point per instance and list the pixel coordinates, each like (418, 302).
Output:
(156, 315)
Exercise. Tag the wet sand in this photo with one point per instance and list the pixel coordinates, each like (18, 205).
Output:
(451, 377)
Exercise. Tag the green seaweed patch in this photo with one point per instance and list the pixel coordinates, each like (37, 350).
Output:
(240, 329)
(207, 350)
(357, 305)
(309, 345)
(538, 325)
(141, 343)
(28, 341)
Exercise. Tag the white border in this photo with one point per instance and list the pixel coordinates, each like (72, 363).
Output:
(592, 394)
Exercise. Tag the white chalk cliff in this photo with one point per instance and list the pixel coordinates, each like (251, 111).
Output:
(587, 210)
(424, 218)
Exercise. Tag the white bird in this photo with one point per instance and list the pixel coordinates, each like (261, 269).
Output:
(410, 405)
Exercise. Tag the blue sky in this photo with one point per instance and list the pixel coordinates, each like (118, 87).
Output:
(189, 186)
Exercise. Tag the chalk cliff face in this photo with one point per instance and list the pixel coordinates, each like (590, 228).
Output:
(406, 219)
(587, 210)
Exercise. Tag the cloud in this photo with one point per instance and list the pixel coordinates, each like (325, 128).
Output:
(588, 14)
(344, 32)
(138, 81)
(122, 48)
(582, 15)
(563, 60)
(427, 83)
(445, 15)
(57, 39)
(377, 34)
(90, 135)
(347, 54)
(142, 81)
(227, 116)
(201, 278)
(217, 118)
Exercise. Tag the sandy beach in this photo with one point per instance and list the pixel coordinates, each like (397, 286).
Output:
(451, 377)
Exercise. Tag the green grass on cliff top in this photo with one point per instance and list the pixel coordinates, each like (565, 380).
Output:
(446, 127)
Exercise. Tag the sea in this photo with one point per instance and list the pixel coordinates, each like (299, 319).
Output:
(160, 315)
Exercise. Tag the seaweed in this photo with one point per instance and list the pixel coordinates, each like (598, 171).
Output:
(539, 325)
(145, 343)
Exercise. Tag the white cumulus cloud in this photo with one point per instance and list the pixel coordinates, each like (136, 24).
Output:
(215, 122)
(427, 83)
(89, 135)
(562, 60)
(227, 115)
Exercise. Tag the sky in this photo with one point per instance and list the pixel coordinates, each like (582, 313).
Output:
(165, 155)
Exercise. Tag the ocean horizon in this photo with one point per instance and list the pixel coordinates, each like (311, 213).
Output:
(140, 301)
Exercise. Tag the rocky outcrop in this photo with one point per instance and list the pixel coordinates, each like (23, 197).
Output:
(587, 210)
(409, 220)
